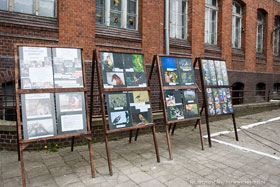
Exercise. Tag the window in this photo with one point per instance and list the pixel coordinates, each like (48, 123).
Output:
(117, 13)
(260, 91)
(178, 19)
(211, 20)
(276, 37)
(260, 29)
(45, 8)
(236, 25)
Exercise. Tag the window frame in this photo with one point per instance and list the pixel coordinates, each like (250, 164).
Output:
(184, 25)
(276, 36)
(262, 24)
(123, 12)
(235, 16)
(208, 22)
(35, 8)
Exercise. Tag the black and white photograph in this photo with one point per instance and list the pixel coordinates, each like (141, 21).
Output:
(39, 128)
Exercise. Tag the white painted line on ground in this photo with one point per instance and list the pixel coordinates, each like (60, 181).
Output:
(246, 149)
(243, 127)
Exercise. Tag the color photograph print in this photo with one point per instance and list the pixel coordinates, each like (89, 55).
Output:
(115, 79)
(173, 98)
(191, 110)
(107, 61)
(206, 72)
(189, 96)
(136, 79)
(40, 128)
(140, 96)
(212, 71)
(187, 78)
(185, 64)
(141, 118)
(171, 78)
(229, 101)
(119, 119)
(224, 72)
(175, 112)
(69, 102)
(36, 70)
(169, 64)
(138, 64)
(117, 101)
(211, 110)
(37, 105)
(219, 73)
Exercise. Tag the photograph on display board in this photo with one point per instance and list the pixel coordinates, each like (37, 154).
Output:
(229, 101)
(169, 71)
(186, 71)
(206, 72)
(212, 72)
(68, 72)
(210, 101)
(140, 108)
(174, 104)
(217, 100)
(39, 128)
(70, 102)
(190, 103)
(118, 110)
(112, 69)
(219, 73)
(224, 72)
(38, 105)
(134, 69)
(119, 119)
(36, 71)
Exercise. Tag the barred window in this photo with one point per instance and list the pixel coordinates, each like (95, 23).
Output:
(236, 25)
(260, 28)
(45, 8)
(211, 21)
(178, 19)
(117, 13)
(276, 37)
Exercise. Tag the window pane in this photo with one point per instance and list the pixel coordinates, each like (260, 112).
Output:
(47, 8)
(131, 7)
(115, 19)
(3, 5)
(99, 16)
(131, 22)
(172, 30)
(24, 6)
(116, 5)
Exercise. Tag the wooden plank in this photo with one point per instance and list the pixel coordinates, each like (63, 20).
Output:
(51, 90)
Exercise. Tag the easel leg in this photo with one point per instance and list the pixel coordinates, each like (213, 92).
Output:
(22, 167)
(169, 128)
(168, 142)
(173, 129)
(108, 154)
(72, 143)
(136, 135)
(155, 142)
(201, 135)
(235, 129)
(208, 130)
(130, 136)
(196, 123)
(91, 159)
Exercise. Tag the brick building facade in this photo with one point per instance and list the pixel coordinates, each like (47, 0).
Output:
(74, 24)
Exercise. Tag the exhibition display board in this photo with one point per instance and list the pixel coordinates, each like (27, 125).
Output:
(217, 98)
(51, 101)
(123, 87)
(179, 92)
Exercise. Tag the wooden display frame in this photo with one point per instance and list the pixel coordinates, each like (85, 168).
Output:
(156, 61)
(205, 104)
(96, 64)
(24, 143)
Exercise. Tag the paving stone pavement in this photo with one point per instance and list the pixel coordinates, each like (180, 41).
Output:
(135, 164)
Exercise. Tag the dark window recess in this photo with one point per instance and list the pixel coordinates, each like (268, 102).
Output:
(237, 93)
(260, 91)
(8, 102)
